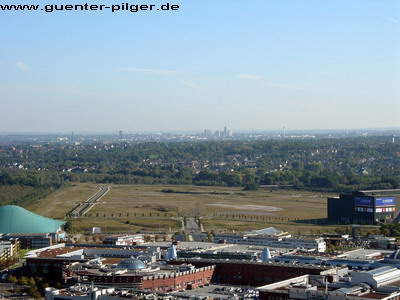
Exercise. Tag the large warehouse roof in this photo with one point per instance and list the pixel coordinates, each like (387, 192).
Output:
(15, 219)
(377, 277)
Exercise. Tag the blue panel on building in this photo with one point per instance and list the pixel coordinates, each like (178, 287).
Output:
(362, 201)
(388, 201)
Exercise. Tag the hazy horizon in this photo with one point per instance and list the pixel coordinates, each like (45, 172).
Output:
(260, 64)
(200, 131)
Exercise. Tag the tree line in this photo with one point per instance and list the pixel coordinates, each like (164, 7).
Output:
(28, 172)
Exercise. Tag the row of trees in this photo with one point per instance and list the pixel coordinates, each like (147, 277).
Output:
(375, 153)
(327, 165)
(251, 179)
(22, 187)
(34, 287)
(390, 229)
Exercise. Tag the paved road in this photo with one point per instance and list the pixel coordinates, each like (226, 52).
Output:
(17, 265)
(84, 207)
(191, 225)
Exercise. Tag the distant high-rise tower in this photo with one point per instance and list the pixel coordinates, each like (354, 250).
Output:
(72, 136)
(284, 132)
(393, 139)
(225, 131)
(120, 134)
(207, 133)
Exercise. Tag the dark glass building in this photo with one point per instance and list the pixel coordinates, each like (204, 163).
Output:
(364, 207)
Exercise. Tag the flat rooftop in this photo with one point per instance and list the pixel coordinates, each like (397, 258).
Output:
(366, 254)
(182, 245)
(56, 252)
(380, 192)
(258, 263)
(216, 291)
(152, 270)
(53, 253)
(204, 246)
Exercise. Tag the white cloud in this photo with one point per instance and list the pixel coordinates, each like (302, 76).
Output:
(190, 84)
(244, 76)
(153, 71)
(22, 66)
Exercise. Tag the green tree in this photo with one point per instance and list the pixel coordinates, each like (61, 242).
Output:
(314, 168)
(298, 166)
(68, 227)
(33, 292)
(12, 279)
(31, 281)
(24, 280)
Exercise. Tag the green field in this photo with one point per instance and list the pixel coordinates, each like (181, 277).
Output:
(147, 207)
(60, 202)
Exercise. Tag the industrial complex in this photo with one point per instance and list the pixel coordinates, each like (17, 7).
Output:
(365, 207)
(161, 269)
(259, 264)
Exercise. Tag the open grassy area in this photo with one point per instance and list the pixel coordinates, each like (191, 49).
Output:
(22, 252)
(208, 201)
(159, 208)
(227, 225)
(60, 202)
(185, 200)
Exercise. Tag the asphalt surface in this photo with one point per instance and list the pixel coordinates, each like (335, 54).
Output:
(89, 203)
(191, 225)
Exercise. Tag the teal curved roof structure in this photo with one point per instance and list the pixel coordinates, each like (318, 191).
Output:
(15, 219)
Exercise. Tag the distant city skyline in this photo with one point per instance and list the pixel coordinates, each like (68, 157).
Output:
(262, 65)
(201, 131)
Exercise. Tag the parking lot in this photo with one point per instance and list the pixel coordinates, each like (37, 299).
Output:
(219, 292)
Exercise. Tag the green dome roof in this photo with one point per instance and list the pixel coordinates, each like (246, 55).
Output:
(15, 219)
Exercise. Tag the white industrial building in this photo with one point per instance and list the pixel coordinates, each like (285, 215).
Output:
(124, 240)
(369, 285)
(377, 277)
(282, 241)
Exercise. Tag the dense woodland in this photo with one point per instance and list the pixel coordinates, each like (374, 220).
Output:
(31, 171)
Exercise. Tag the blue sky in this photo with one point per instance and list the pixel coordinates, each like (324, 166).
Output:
(247, 64)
